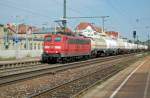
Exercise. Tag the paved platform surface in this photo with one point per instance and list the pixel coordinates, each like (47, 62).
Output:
(133, 82)
(21, 60)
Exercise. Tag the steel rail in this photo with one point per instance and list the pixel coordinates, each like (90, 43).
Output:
(31, 72)
(24, 68)
(104, 73)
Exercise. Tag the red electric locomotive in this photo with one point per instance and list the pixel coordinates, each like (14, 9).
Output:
(60, 47)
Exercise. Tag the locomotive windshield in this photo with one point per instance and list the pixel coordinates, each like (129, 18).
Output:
(48, 38)
(57, 39)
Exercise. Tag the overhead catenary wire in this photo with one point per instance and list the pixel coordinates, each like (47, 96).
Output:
(120, 11)
(24, 9)
(34, 13)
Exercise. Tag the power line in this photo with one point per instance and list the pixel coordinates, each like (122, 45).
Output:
(24, 9)
(119, 11)
(16, 4)
(33, 12)
(87, 17)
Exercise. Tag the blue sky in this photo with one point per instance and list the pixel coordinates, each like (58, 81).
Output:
(125, 15)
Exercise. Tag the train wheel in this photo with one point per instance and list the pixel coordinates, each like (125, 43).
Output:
(43, 60)
(59, 60)
(63, 60)
(86, 57)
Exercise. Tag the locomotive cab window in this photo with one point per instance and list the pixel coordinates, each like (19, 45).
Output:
(48, 38)
(57, 39)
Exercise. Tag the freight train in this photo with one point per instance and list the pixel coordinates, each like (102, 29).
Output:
(60, 47)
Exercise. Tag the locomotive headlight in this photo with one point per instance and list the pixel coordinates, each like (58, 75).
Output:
(46, 47)
(57, 47)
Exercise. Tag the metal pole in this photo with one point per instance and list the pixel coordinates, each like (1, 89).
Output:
(148, 42)
(55, 27)
(17, 40)
(64, 16)
(64, 22)
(17, 26)
(26, 38)
(103, 23)
(137, 41)
(32, 33)
(5, 38)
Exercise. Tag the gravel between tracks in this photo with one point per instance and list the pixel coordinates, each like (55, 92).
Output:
(25, 88)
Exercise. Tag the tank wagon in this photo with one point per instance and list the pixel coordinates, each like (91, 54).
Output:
(107, 45)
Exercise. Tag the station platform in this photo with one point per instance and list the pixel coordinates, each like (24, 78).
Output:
(20, 60)
(132, 82)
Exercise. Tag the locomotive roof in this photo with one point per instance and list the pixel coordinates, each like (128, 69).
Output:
(61, 34)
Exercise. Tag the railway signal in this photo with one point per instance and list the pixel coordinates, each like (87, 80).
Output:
(134, 35)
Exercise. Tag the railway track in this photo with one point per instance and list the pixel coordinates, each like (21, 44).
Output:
(74, 87)
(14, 75)
(13, 65)
(7, 66)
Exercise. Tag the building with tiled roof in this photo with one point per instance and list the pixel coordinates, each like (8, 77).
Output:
(112, 34)
(84, 25)
(89, 29)
(22, 28)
